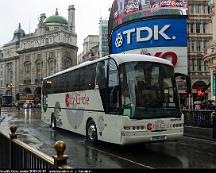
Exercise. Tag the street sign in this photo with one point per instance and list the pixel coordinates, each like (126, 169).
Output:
(214, 83)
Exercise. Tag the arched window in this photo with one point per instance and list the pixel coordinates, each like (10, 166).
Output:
(9, 72)
(51, 66)
(67, 62)
(27, 70)
(39, 69)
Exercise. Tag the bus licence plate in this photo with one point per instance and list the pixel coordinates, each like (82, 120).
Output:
(158, 138)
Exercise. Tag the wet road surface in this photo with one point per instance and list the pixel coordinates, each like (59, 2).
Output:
(185, 153)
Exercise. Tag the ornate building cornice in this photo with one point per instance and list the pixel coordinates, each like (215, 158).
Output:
(32, 49)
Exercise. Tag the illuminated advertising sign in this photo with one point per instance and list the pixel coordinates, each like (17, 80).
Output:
(123, 11)
(150, 33)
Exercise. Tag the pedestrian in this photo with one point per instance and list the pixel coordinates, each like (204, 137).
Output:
(197, 106)
(210, 106)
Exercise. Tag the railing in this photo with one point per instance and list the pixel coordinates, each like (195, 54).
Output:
(14, 154)
(199, 118)
(200, 123)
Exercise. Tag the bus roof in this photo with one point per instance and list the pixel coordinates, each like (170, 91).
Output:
(119, 58)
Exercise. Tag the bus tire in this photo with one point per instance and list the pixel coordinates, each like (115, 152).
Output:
(91, 132)
(53, 122)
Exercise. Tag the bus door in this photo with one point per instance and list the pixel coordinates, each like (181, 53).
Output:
(113, 88)
(101, 82)
(108, 85)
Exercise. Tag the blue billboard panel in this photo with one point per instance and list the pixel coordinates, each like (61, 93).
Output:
(150, 33)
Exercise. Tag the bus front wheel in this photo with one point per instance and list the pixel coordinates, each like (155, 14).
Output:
(91, 132)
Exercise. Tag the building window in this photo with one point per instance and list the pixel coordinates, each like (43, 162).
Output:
(191, 28)
(204, 28)
(51, 54)
(204, 44)
(39, 67)
(67, 63)
(193, 65)
(204, 9)
(198, 46)
(51, 66)
(197, 27)
(27, 70)
(205, 66)
(192, 46)
(199, 65)
(9, 72)
(198, 9)
(191, 9)
(47, 40)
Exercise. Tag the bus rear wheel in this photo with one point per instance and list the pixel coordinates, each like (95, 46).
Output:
(91, 132)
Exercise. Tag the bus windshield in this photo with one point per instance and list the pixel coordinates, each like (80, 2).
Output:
(148, 90)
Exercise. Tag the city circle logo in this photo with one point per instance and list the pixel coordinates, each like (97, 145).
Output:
(119, 40)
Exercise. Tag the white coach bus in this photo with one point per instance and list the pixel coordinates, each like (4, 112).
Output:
(120, 98)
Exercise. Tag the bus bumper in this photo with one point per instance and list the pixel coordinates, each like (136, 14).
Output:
(146, 137)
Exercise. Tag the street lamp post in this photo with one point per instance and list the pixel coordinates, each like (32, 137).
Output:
(11, 86)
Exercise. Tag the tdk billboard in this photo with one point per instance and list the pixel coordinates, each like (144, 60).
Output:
(150, 33)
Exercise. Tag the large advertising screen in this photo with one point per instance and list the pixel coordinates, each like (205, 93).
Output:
(123, 11)
(150, 33)
(164, 38)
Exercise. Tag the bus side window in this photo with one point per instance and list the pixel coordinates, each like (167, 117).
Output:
(87, 77)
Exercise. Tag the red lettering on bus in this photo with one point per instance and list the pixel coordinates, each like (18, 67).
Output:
(67, 103)
(76, 99)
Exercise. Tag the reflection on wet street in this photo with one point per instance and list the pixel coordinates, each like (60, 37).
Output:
(185, 153)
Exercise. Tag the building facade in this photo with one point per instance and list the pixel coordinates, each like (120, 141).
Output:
(29, 58)
(210, 53)
(199, 35)
(103, 37)
(90, 49)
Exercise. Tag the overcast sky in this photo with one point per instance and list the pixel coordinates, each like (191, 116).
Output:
(27, 12)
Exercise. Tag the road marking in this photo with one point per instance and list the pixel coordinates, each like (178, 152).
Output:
(122, 158)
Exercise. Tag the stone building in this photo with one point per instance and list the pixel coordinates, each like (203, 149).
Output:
(103, 37)
(90, 49)
(29, 58)
(199, 34)
(210, 54)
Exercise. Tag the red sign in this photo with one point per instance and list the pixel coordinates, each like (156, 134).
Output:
(167, 55)
(200, 93)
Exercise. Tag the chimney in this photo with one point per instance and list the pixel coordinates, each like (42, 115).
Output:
(71, 18)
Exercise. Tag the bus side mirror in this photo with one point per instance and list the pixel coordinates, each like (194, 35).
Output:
(188, 83)
(187, 79)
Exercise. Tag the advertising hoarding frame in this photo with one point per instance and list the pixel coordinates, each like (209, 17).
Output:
(124, 11)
